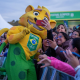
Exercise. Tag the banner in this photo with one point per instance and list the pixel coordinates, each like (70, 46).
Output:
(69, 15)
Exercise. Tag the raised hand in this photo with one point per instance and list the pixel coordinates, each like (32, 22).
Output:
(45, 61)
(29, 26)
(40, 51)
(26, 31)
(42, 56)
(72, 60)
(52, 44)
(47, 24)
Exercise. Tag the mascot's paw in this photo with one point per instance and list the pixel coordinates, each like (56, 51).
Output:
(26, 31)
(29, 26)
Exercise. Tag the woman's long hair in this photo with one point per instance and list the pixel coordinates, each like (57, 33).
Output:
(65, 36)
(76, 43)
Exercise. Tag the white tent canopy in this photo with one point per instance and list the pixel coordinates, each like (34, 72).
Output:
(4, 24)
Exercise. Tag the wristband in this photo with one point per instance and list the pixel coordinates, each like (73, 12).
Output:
(55, 47)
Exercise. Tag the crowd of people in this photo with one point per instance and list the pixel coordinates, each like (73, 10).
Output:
(57, 50)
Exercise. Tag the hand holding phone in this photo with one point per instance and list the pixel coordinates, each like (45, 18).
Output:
(39, 23)
(74, 53)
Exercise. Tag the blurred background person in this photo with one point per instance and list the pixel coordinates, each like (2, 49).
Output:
(70, 31)
(78, 27)
(76, 34)
(61, 28)
(74, 28)
(5, 35)
(2, 39)
(73, 60)
(62, 43)
(45, 45)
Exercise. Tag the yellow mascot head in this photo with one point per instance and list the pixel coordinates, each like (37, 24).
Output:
(32, 15)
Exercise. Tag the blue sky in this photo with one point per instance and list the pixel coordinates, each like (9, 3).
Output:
(13, 9)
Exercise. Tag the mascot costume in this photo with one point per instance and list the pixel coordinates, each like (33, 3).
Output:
(24, 42)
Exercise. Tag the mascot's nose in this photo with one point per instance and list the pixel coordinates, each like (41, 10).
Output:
(35, 19)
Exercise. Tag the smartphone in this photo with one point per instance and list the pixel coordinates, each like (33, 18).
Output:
(75, 54)
(39, 23)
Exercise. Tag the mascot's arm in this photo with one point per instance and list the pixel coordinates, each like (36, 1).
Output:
(3, 45)
(14, 36)
(3, 30)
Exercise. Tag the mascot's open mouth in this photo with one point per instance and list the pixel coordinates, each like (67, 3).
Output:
(35, 26)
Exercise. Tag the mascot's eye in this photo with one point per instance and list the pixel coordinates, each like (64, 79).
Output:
(36, 13)
(45, 18)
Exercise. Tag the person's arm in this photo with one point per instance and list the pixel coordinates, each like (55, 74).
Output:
(1, 55)
(59, 65)
(74, 62)
(50, 52)
(52, 58)
(57, 49)
(4, 54)
(61, 55)
(49, 34)
(62, 66)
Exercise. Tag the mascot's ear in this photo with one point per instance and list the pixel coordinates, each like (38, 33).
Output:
(43, 7)
(29, 8)
(52, 23)
(39, 7)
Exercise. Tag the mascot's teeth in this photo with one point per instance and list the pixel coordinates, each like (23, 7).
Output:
(34, 25)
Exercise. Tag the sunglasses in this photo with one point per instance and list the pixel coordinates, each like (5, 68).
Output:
(59, 37)
(75, 34)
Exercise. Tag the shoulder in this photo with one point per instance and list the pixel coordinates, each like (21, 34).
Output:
(16, 27)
